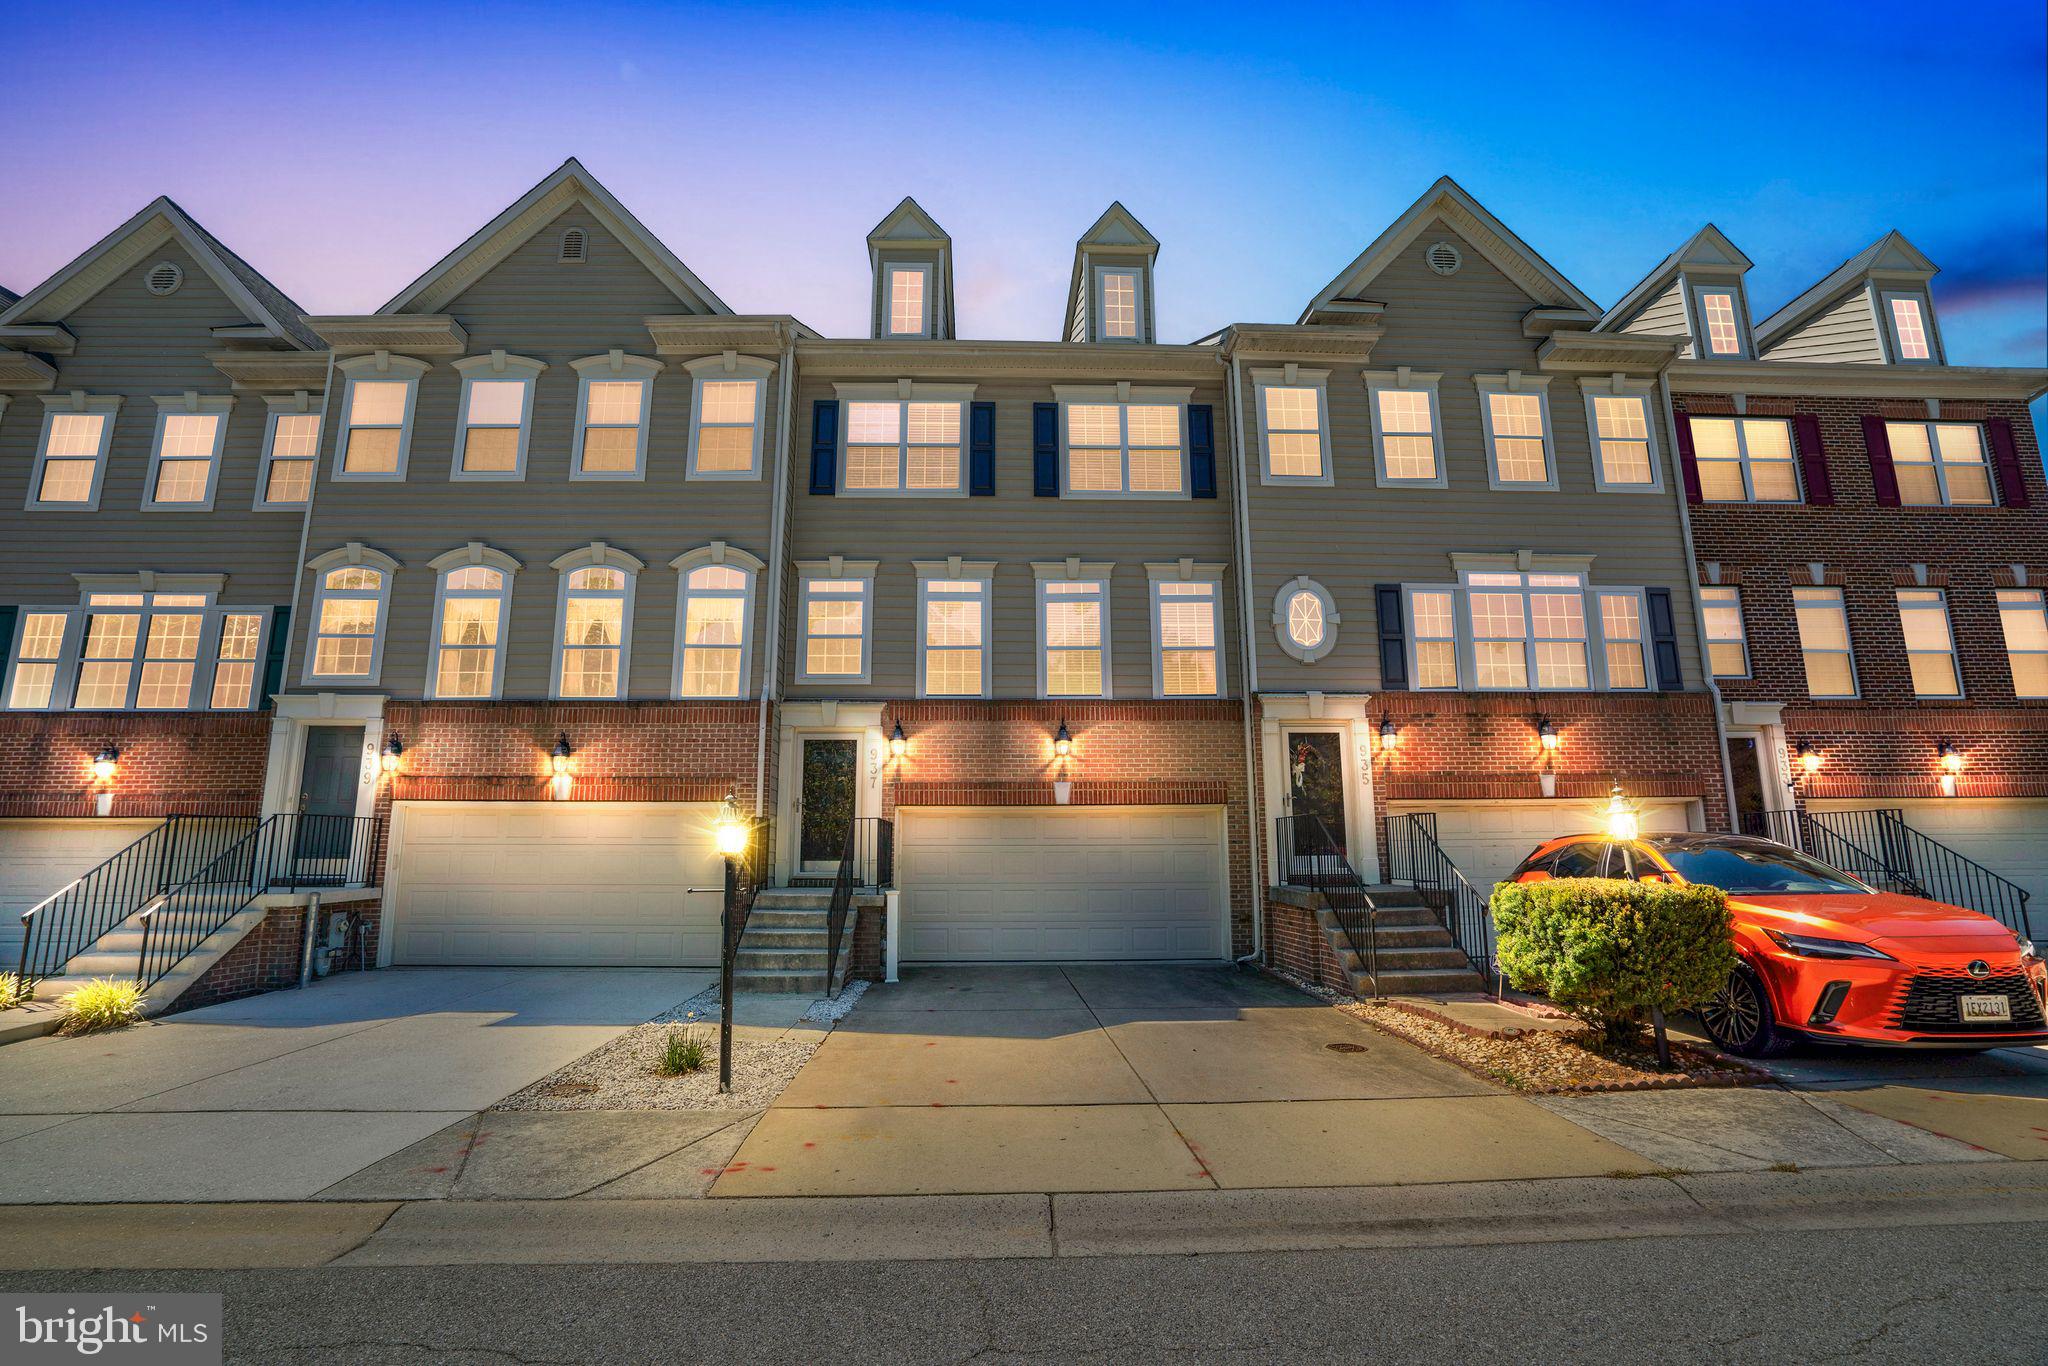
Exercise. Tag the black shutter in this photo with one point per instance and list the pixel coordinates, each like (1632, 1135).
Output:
(1813, 460)
(981, 450)
(1045, 450)
(825, 446)
(1393, 639)
(1201, 450)
(8, 615)
(273, 656)
(1664, 640)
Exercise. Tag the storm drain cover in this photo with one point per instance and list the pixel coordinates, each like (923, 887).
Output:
(1345, 1047)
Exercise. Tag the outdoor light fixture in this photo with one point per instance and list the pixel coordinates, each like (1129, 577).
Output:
(1624, 820)
(1547, 735)
(1390, 734)
(393, 750)
(558, 760)
(897, 742)
(1809, 759)
(1063, 741)
(1951, 766)
(105, 763)
(730, 829)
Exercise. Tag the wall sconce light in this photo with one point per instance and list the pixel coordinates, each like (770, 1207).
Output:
(394, 750)
(106, 763)
(1063, 741)
(1624, 817)
(897, 742)
(558, 760)
(1951, 767)
(1390, 735)
(1809, 759)
(730, 829)
(1547, 736)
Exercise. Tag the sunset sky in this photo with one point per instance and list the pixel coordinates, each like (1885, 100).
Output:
(342, 151)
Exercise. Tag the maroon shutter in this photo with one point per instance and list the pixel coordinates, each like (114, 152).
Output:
(2005, 458)
(1884, 480)
(1813, 460)
(1688, 464)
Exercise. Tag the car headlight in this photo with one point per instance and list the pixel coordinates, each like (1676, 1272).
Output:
(2027, 949)
(1806, 946)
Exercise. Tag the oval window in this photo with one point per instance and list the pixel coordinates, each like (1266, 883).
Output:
(1305, 619)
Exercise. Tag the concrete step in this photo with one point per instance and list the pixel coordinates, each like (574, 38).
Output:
(750, 959)
(1412, 937)
(791, 898)
(1391, 894)
(773, 918)
(1422, 981)
(780, 981)
(1408, 960)
(806, 938)
(1405, 917)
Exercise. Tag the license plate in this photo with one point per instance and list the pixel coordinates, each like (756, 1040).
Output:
(1986, 1008)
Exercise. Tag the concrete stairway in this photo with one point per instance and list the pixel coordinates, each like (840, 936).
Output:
(1417, 955)
(117, 953)
(784, 947)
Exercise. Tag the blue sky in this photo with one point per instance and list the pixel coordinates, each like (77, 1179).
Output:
(342, 151)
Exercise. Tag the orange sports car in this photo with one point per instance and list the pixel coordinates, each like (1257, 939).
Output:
(1825, 956)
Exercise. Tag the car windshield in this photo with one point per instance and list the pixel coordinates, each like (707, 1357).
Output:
(1740, 868)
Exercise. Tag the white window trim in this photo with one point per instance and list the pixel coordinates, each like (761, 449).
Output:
(1941, 466)
(925, 329)
(1741, 622)
(1186, 571)
(1074, 570)
(905, 392)
(60, 405)
(1888, 326)
(612, 366)
(298, 404)
(1841, 600)
(958, 570)
(1293, 377)
(1307, 654)
(1743, 460)
(836, 568)
(595, 555)
(2039, 606)
(1619, 386)
(729, 366)
(1406, 380)
(732, 557)
(381, 365)
(1124, 394)
(1597, 642)
(179, 405)
(1695, 292)
(1465, 642)
(1461, 621)
(501, 367)
(354, 553)
(1515, 382)
(1955, 660)
(473, 555)
(205, 661)
(1099, 321)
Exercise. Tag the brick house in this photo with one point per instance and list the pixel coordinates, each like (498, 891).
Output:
(503, 590)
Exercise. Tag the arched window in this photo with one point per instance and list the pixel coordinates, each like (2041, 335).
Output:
(351, 596)
(594, 622)
(1305, 619)
(714, 615)
(470, 603)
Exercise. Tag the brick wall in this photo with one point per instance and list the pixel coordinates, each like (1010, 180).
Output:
(193, 763)
(268, 957)
(1883, 744)
(1149, 753)
(1295, 941)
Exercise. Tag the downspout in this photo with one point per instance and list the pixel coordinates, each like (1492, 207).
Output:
(771, 669)
(1692, 574)
(1241, 508)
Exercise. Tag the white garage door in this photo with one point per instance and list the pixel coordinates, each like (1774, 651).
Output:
(581, 883)
(40, 858)
(1061, 884)
(2009, 836)
(1488, 840)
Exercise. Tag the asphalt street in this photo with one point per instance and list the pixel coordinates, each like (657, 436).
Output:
(1903, 1293)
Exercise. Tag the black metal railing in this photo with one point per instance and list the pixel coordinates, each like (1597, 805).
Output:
(289, 853)
(746, 874)
(1415, 857)
(68, 922)
(1311, 857)
(1880, 848)
(867, 861)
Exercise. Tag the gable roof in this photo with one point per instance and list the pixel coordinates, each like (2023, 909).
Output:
(159, 221)
(1449, 201)
(908, 225)
(1890, 255)
(1118, 228)
(568, 184)
(1707, 249)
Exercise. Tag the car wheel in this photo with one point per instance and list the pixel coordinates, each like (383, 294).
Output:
(1738, 1017)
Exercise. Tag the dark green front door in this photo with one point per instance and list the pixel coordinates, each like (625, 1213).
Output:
(830, 771)
(1315, 791)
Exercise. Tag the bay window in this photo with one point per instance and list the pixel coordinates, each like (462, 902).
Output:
(1527, 630)
(137, 651)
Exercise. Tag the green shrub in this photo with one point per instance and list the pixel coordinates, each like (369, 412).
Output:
(1608, 951)
(102, 1003)
(13, 991)
(683, 1052)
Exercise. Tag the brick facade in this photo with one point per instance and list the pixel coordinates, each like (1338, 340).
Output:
(268, 957)
(171, 763)
(1295, 941)
(1883, 744)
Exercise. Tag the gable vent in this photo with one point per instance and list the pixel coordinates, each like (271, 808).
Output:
(1444, 258)
(164, 278)
(575, 245)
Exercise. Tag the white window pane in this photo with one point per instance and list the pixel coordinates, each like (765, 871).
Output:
(1909, 442)
(42, 635)
(716, 672)
(372, 451)
(1516, 414)
(190, 434)
(1933, 675)
(933, 467)
(1095, 471)
(1305, 620)
(1625, 668)
(33, 685)
(469, 621)
(1073, 673)
(76, 434)
(906, 302)
(348, 617)
(1821, 623)
(1094, 424)
(614, 402)
(173, 636)
(1719, 310)
(1727, 659)
(1907, 327)
(355, 578)
(831, 657)
(342, 657)
(1560, 664)
(377, 402)
(1293, 408)
(464, 673)
(103, 684)
(1155, 471)
(67, 481)
(165, 686)
(1295, 455)
(1713, 438)
(1497, 616)
(1154, 424)
(725, 449)
(1187, 624)
(1558, 615)
(729, 400)
(1433, 616)
(2021, 612)
(1969, 486)
(721, 621)
(872, 467)
(111, 635)
(876, 424)
(597, 579)
(1410, 457)
(1774, 481)
(497, 402)
(932, 424)
(1918, 485)
(290, 481)
(952, 672)
(295, 436)
(2030, 675)
(726, 577)
(593, 621)
(182, 481)
(1188, 673)
(1119, 304)
(1500, 664)
(1436, 664)
(1721, 481)
(1403, 410)
(611, 450)
(590, 673)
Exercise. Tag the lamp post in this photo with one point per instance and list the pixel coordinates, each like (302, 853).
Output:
(731, 835)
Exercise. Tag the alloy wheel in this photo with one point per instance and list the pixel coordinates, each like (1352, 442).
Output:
(1733, 1015)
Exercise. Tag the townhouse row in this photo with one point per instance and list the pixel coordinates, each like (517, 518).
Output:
(536, 564)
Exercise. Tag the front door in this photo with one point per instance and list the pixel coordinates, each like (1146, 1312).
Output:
(828, 786)
(1745, 767)
(327, 791)
(1315, 798)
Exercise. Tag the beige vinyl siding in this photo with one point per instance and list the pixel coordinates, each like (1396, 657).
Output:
(1844, 331)
(1012, 528)
(1664, 316)
(138, 345)
(531, 304)
(1356, 535)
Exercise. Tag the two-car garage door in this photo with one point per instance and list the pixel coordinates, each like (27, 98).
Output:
(579, 883)
(1048, 884)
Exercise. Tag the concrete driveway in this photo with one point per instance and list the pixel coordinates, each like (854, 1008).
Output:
(1130, 1078)
(277, 1097)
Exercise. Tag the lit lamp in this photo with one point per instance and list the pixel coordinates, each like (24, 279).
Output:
(897, 742)
(1063, 741)
(393, 751)
(730, 829)
(1390, 734)
(1809, 759)
(104, 766)
(558, 760)
(1546, 735)
(1951, 768)
(1623, 816)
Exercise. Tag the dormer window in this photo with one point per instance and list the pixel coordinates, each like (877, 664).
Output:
(1116, 290)
(1908, 318)
(909, 300)
(1717, 321)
